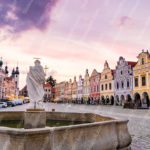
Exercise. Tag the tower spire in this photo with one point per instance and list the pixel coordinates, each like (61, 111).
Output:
(1, 62)
(6, 69)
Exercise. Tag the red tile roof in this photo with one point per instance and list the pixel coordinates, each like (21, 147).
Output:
(47, 85)
(132, 63)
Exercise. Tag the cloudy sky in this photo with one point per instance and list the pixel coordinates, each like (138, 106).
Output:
(72, 35)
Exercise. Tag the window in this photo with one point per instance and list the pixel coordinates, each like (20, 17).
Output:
(117, 85)
(130, 72)
(122, 84)
(110, 86)
(105, 76)
(102, 87)
(142, 61)
(121, 72)
(128, 84)
(136, 82)
(143, 81)
(105, 86)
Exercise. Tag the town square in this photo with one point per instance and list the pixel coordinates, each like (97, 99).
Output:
(74, 75)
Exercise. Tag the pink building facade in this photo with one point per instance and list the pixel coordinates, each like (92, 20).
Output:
(95, 87)
(9, 85)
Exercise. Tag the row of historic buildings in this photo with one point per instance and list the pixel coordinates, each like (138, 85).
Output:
(9, 85)
(128, 82)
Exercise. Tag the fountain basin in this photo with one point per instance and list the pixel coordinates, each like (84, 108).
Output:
(96, 133)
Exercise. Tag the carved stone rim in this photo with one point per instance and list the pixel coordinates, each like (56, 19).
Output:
(35, 110)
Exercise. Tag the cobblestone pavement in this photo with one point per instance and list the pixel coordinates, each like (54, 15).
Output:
(139, 120)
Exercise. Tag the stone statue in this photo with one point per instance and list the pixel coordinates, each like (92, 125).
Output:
(35, 80)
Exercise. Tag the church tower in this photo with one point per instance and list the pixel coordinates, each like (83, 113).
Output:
(16, 77)
(6, 70)
(1, 63)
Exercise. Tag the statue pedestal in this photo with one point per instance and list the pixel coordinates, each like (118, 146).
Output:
(34, 118)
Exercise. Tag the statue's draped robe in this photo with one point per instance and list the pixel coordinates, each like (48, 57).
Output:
(35, 81)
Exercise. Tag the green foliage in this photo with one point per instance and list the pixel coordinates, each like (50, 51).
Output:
(51, 81)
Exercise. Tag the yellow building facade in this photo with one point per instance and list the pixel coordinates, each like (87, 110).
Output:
(141, 89)
(107, 85)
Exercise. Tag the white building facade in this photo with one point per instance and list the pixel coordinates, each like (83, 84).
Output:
(123, 81)
(86, 86)
(80, 89)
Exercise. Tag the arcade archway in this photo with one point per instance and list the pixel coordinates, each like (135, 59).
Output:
(128, 98)
(145, 99)
(103, 100)
(117, 99)
(137, 100)
(112, 100)
(122, 100)
(107, 99)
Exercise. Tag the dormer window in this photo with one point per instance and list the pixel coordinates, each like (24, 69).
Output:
(142, 61)
(128, 84)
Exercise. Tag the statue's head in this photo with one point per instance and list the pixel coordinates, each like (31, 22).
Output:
(37, 62)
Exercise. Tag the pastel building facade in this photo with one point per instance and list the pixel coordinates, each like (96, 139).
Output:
(24, 91)
(80, 89)
(74, 90)
(49, 94)
(70, 90)
(9, 85)
(86, 86)
(57, 91)
(123, 81)
(66, 91)
(141, 91)
(60, 91)
(107, 85)
(95, 86)
(2, 78)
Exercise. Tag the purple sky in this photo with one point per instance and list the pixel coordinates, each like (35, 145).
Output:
(72, 35)
(21, 15)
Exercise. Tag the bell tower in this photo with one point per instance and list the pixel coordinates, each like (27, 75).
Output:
(16, 76)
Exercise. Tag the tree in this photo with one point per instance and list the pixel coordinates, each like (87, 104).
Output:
(51, 81)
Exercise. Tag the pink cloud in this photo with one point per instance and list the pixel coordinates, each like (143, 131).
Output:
(69, 51)
(124, 21)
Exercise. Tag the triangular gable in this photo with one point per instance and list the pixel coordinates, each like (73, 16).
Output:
(94, 73)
